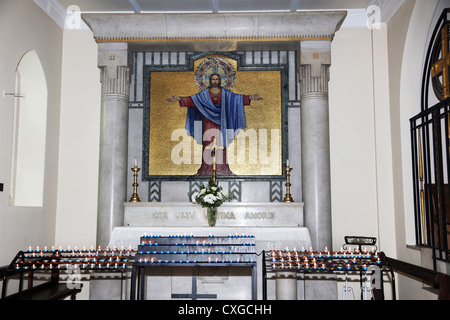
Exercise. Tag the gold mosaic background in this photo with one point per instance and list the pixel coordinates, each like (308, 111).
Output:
(168, 119)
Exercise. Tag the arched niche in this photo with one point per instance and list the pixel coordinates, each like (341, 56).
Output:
(29, 136)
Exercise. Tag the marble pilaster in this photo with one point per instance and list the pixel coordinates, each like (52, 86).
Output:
(315, 60)
(114, 61)
(314, 76)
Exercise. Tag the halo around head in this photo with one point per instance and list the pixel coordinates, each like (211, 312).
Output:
(215, 65)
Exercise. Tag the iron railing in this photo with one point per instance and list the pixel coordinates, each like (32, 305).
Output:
(430, 131)
(430, 148)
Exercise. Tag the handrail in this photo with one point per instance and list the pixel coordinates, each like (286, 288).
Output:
(8, 269)
(386, 262)
(433, 278)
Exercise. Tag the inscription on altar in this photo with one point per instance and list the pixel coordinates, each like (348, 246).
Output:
(260, 215)
(160, 215)
(185, 215)
(248, 215)
(225, 215)
(175, 214)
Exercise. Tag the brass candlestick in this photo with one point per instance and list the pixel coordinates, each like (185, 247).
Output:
(214, 147)
(288, 197)
(135, 197)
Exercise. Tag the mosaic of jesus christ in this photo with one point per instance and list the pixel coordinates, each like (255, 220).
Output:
(221, 114)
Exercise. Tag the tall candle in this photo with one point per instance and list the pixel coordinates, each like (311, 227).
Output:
(287, 163)
(135, 162)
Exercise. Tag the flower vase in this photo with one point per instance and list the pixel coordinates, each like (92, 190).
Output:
(212, 216)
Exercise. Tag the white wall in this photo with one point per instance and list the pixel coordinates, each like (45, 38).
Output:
(26, 27)
(352, 136)
(408, 105)
(76, 221)
(29, 137)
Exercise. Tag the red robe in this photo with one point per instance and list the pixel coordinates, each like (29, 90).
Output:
(222, 167)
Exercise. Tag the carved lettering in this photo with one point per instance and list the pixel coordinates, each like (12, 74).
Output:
(226, 215)
(185, 215)
(260, 215)
(160, 215)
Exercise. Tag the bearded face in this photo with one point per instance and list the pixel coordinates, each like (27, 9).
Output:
(215, 81)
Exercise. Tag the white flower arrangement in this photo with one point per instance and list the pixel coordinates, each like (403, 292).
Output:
(210, 196)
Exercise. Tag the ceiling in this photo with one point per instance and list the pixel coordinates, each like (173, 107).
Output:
(208, 6)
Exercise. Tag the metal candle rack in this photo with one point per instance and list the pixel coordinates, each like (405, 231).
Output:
(194, 251)
(190, 249)
(304, 260)
(309, 261)
(94, 259)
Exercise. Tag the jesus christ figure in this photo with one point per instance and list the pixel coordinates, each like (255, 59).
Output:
(221, 114)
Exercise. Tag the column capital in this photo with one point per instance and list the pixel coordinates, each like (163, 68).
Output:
(314, 59)
(315, 53)
(112, 55)
(115, 61)
(311, 83)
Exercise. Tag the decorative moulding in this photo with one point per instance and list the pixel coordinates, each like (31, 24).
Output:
(289, 26)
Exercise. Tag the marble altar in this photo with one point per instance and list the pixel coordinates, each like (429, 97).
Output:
(274, 226)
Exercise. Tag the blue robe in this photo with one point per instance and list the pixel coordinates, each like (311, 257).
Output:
(229, 114)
